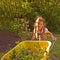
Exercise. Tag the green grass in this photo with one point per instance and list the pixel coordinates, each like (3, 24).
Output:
(55, 51)
(1, 54)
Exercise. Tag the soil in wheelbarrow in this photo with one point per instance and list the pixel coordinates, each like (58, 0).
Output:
(7, 40)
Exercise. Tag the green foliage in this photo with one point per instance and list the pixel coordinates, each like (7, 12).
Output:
(27, 54)
(19, 15)
(13, 55)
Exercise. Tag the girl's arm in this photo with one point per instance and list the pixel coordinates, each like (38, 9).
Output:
(33, 36)
(52, 36)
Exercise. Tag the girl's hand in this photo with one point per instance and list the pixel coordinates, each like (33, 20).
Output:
(54, 39)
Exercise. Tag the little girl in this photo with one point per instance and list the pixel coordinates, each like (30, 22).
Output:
(40, 31)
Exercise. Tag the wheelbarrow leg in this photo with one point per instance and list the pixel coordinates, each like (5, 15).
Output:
(52, 45)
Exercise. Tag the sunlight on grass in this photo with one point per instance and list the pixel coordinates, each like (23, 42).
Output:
(55, 52)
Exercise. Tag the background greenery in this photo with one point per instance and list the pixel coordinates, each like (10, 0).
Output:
(19, 15)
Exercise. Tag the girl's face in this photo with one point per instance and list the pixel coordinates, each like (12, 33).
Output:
(41, 24)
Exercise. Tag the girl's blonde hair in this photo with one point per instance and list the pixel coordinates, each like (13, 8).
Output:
(38, 20)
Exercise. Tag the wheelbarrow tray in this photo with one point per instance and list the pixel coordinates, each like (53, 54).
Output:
(44, 45)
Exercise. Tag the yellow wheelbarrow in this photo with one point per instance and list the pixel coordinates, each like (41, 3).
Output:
(43, 45)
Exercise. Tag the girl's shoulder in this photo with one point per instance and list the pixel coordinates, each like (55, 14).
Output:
(46, 30)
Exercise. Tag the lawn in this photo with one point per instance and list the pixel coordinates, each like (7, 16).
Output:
(54, 53)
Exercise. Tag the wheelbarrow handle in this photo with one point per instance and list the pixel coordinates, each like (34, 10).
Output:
(52, 45)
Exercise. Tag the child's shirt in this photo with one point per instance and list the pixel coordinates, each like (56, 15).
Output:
(40, 34)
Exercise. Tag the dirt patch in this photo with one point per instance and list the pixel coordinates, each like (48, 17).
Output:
(7, 40)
